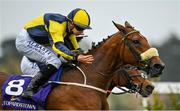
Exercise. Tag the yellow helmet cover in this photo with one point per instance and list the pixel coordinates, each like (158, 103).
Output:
(80, 17)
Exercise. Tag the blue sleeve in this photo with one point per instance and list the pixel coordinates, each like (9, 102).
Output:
(64, 50)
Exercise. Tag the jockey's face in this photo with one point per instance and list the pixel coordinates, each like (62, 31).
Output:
(76, 30)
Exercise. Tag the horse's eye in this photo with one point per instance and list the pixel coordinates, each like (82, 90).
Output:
(136, 42)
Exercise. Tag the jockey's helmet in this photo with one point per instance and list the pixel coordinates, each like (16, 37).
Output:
(80, 18)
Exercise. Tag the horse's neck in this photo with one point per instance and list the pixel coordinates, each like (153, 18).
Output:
(111, 85)
(119, 79)
(106, 57)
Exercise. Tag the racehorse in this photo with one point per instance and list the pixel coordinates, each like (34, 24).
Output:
(130, 80)
(127, 46)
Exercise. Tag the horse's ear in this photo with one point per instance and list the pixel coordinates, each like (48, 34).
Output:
(127, 25)
(120, 27)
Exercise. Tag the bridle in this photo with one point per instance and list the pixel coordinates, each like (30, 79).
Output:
(127, 42)
(132, 87)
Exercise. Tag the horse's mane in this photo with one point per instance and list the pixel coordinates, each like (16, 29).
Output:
(94, 47)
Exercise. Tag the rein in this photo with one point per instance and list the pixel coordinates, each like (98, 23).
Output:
(125, 90)
(81, 85)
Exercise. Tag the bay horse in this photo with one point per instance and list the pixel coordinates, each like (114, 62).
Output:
(130, 80)
(127, 46)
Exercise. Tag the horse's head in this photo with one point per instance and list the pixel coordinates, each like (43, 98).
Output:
(130, 77)
(135, 50)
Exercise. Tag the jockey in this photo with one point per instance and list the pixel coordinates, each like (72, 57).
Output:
(59, 32)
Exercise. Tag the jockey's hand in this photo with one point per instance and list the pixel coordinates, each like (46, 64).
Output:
(85, 58)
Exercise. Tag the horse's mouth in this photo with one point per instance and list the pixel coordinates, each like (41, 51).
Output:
(155, 68)
(146, 93)
(155, 71)
(147, 90)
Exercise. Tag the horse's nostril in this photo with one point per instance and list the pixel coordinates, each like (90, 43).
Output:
(159, 67)
(150, 88)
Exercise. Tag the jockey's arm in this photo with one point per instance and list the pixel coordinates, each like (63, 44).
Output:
(62, 50)
(57, 31)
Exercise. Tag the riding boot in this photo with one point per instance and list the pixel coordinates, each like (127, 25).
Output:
(38, 80)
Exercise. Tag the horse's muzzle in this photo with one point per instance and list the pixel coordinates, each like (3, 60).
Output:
(156, 67)
(147, 90)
